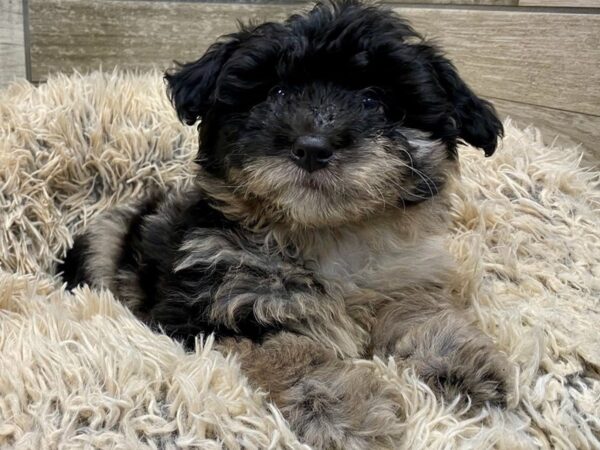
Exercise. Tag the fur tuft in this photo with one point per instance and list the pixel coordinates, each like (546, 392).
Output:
(79, 370)
(315, 228)
(315, 231)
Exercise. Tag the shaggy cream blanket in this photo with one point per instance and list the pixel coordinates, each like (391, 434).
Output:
(79, 371)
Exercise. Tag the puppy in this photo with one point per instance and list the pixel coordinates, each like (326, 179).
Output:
(315, 232)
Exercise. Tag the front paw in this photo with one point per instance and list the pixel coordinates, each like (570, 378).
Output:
(457, 361)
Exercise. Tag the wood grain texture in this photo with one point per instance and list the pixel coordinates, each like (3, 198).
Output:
(86, 35)
(12, 48)
(560, 3)
(459, 2)
(564, 128)
(545, 59)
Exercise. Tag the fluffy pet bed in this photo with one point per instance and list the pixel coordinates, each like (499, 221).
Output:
(78, 370)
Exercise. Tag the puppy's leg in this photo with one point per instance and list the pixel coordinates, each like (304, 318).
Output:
(444, 347)
(329, 402)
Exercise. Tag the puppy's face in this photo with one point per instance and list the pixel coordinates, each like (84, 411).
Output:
(332, 116)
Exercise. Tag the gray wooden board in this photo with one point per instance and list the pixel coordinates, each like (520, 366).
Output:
(562, 3)
(12, 48)
(460, 2)
(85, 35)
(560, 127)
(546, 59)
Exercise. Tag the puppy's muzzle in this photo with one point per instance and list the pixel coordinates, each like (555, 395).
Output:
(311, 152)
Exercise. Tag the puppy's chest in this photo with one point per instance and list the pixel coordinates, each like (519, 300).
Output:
(382, 262)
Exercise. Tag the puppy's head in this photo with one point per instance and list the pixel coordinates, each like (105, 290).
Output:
(331, 116)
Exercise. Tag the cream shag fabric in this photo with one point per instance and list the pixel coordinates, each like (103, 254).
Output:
(79, 371)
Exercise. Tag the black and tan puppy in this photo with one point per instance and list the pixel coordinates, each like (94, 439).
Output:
(315, 232)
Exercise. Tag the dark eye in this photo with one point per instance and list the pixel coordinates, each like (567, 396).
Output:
(370, 102)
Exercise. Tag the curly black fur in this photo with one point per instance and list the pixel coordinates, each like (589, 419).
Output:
(342, 47)
(313, 232)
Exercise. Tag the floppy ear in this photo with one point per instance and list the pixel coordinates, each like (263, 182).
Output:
(191, 86)
(475, 118)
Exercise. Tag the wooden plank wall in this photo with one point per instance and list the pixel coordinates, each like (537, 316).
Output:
(541, 68)
(12, 41)
(537, 60)
(566, 3)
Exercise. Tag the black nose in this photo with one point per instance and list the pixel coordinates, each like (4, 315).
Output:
(311, 152)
